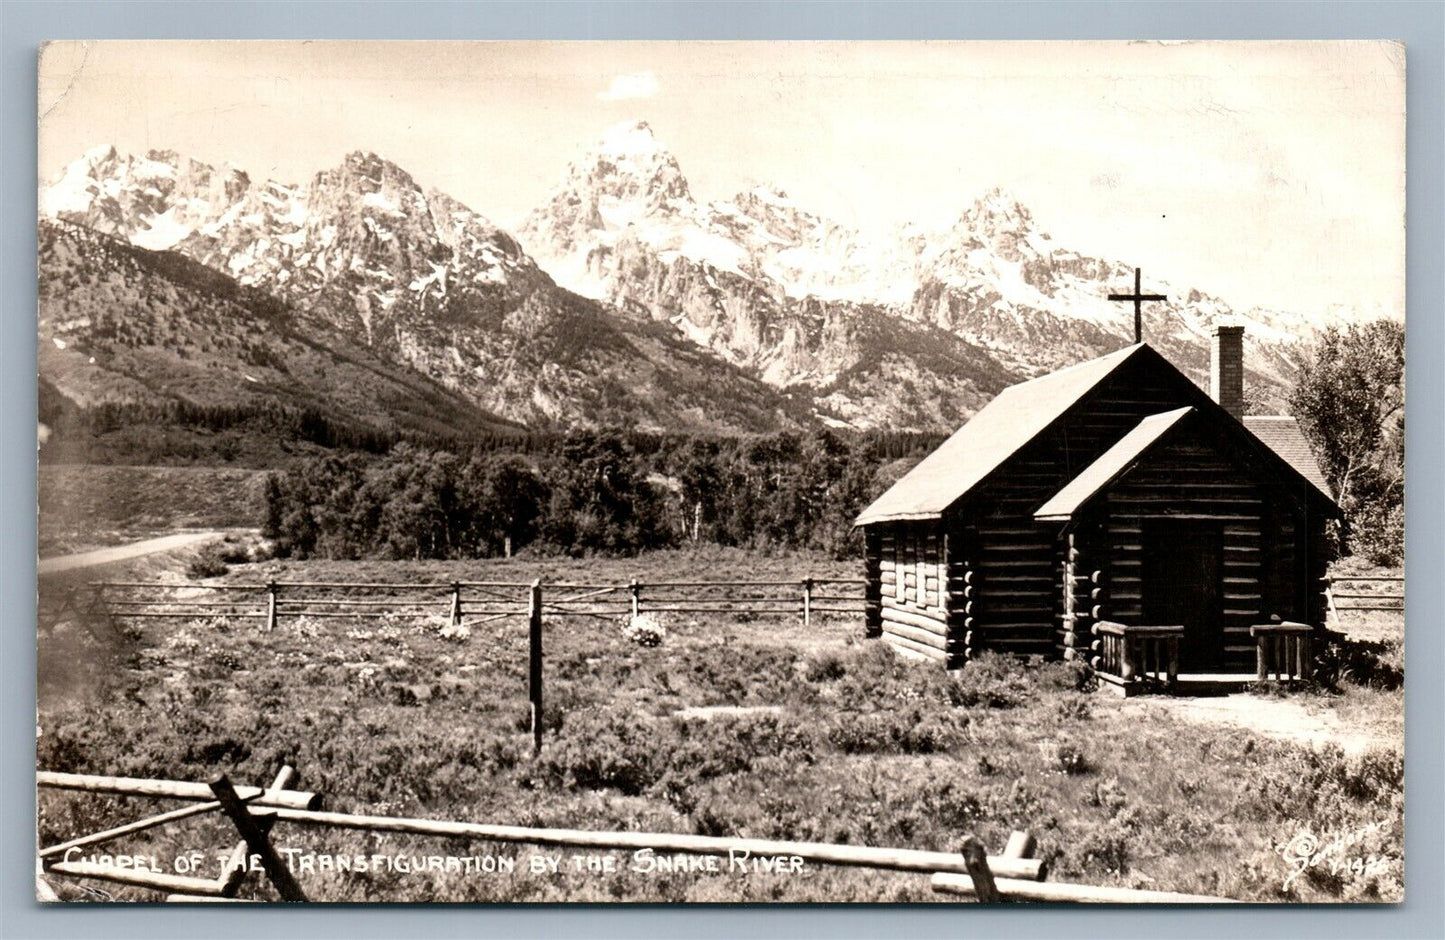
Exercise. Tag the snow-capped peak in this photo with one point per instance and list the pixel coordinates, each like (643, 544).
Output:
(364, 224)
(995, 210)
(629, 163)
(627, 185)
(167, 157)
(100, 153)
(630, 139)
(372, 163)
(155, 200)
(72, 191)
(772, 195)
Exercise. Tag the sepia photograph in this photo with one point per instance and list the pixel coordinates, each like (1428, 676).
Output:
(720, 472)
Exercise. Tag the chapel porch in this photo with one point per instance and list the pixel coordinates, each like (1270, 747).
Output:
(1139, 659)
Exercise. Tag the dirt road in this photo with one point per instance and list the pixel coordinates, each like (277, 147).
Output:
(105, 556)
(1311, 722)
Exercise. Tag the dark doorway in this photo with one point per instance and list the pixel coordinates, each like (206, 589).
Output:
(1182, 562)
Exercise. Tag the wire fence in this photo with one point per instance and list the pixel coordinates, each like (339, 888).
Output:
(459, 603)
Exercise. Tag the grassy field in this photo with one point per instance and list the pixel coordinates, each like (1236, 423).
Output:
(822, 736)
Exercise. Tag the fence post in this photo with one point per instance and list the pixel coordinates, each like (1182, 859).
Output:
(635, 590)
(976, 861)
(235, 870)
(270, 606)
(253, 831)
(807, 602)
(1020, 845)
(534, 663)
(456, 603)
(96, 608)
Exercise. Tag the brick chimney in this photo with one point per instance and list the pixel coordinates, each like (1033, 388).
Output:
(1226, 369)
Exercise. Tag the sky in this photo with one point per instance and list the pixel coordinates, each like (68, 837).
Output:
(1271, 174)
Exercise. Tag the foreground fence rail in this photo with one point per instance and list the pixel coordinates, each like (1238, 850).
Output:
(1012, 875)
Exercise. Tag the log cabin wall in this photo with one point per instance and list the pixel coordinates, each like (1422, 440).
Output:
(1018, 586)
(1283, 554)
(1011, 584)
(872, 581)
(1296, 558)
(1019, 561)
(1316, 566)
(1066, 599)
(965, 589)
(1188, 478)
(914, 599)
(1080, 591)
(1083, 587)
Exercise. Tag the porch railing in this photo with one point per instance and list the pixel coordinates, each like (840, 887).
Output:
(1282, 651)
(1139, 655)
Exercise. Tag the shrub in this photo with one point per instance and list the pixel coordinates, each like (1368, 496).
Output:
(208, 563)
(1066, 675)
(645, 630)
(214, 558)
(1070, 759)
(1074, 708)
(824, 666)
(726, 745)
(232, 551)
(607, 749)
(1105, 849)
(873, 674)
(747, 675)
(1322, 782)
(853, 733)
(1377, 532)
(905, 731)
(991, 681)
(1108, 795)
(937, 732)
(1369, 663)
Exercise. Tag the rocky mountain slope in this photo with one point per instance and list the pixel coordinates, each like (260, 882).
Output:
(419, 281)
(760, 279)
(121, 325)
(746, 314)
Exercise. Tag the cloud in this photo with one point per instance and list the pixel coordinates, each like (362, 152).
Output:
(636, 85)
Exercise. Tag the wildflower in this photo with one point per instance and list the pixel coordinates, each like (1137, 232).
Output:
(644, 630)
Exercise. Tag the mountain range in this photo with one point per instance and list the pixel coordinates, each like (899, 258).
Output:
(621, 300)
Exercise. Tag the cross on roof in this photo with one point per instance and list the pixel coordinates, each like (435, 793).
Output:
(1138, 299)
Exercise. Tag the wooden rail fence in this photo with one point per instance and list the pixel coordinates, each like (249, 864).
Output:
(459, 603)
(1139, 654)
(1015, 874)
(1389, 595)
(1283, 651)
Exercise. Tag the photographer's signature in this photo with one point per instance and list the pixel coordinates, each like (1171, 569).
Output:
(1305, 851)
